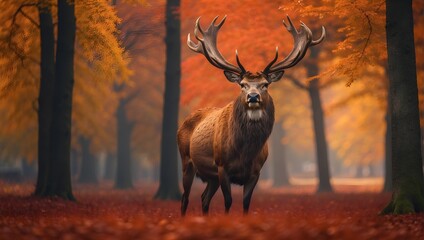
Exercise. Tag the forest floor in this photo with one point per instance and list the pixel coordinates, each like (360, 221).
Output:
(294, 212)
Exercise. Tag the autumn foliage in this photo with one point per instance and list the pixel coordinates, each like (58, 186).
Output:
(120, 55)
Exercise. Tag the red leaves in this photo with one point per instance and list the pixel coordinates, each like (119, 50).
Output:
(103, 213)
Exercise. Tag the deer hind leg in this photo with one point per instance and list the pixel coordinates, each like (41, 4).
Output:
(207, 195)
(188, 176)
(224, 181)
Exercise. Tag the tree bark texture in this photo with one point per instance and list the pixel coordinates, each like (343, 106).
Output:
(408, 183)
(319, 125)
(168, 182)
(123, 177)
(110, 168)
(45, 95)
(88, 173)
(59, 175)
(388, 181)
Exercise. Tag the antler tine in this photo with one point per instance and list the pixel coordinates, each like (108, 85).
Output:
(222, 22)
(238, 62)
(197, 27)
(207, 46)
(193, 46)
(189, 42)
(272, 62)
(214, 20)
(320, 39)
(290, 27)
(302, 41)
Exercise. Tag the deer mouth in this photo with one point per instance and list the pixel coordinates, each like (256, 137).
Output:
(253, 105)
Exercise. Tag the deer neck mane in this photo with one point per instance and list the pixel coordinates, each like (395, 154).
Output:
(251, 128)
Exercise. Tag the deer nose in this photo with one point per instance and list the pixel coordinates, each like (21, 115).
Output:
(253, 97)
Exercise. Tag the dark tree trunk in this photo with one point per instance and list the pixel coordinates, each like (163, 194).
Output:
(45, 95)
(408, 183)
(359, 171)
(168, 183)
(59, 177)
(110, 167)
(372, 170)
(319, 125)
(279, 168)
(123, 178)
(388, 183)
(88, 173)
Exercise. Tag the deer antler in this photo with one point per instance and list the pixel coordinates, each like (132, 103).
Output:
(302, 41)
(208, 47)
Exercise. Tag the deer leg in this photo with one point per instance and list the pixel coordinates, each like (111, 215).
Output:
(224, 181)
(248, 191)
(207, 195)
(204, 192)
(188, 176)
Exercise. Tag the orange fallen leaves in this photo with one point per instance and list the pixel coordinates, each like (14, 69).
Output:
(112, 214)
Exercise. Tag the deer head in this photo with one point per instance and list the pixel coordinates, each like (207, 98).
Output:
(254, 87)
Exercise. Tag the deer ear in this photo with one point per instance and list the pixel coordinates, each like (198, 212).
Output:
(275, 76)
(232, 76)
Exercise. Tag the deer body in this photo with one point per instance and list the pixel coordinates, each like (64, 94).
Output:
(228, 145)
(224, 137)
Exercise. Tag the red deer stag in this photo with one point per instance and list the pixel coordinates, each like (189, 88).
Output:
(228, 145)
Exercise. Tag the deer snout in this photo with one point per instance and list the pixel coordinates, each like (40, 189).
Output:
(253, 97)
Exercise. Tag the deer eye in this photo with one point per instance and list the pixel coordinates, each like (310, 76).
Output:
(264, 87)
(244, 86)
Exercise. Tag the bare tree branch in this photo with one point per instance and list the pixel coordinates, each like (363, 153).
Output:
(367, 40)
(130, 97)
(13, 29)
(29, 18)
(297, 83)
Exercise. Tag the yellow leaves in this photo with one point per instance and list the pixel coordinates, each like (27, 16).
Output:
(137, 2)
(97, 38)
(364, 41)
(18, 131)
(17, 42)
(99, 61)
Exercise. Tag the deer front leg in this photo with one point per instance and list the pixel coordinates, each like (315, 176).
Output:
(224, 181)
(248, 191)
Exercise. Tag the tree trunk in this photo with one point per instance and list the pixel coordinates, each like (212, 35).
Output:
(408, 183)
(123, 178)
(372, 170)
(110, 167)
(45, 93)
(59, 177)
(168, 183)
(319, 125)
(388, 183)
(280, 173)
(88, 173)
(359, 171)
